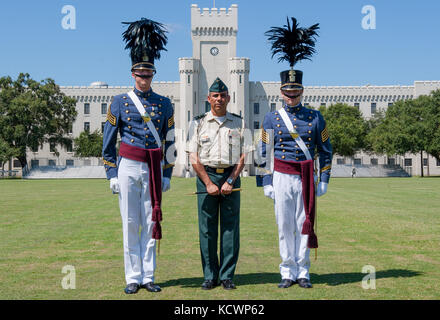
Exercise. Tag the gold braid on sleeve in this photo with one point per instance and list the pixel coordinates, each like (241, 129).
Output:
(110, 117)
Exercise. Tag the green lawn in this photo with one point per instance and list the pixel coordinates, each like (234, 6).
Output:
(392, 224)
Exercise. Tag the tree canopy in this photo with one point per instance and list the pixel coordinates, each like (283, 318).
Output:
(411, 126)
(433, 125)
(347, 128)
(33, 113)
(88, 144)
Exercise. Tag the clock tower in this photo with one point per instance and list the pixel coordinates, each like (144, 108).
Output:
(214, 39)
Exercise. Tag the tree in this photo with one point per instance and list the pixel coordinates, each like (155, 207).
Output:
(33, 113)
(404, 129)
(6, 152)
(372, 124)
(346, 128)
(432, 117)
(88, 144)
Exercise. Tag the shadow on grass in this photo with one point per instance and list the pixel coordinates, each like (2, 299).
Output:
(331, 279)
(334, 279)
(239, 279)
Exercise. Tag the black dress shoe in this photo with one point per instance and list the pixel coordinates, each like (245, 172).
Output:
(285, 283)
(228, 284)
(151, 287)
(304, 283)
(209, 284)
(131, 288)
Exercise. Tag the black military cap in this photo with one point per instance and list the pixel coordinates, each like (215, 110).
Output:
(145, 38)
(291, 80)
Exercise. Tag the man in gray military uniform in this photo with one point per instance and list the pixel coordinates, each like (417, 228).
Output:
(217, 151)
(145, 122)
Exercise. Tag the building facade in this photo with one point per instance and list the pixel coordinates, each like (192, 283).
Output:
(214, 36)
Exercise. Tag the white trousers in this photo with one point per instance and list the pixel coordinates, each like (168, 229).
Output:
(136, 212)
(290, 216)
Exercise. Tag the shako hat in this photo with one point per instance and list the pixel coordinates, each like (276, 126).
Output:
(146, 39)
(292, 44)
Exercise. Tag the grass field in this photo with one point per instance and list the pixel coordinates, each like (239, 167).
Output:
(392, 224)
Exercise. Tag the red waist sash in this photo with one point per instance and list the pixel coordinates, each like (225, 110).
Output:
(305, 170)
(153, 158)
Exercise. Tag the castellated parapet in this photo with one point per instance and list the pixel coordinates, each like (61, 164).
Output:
(188, 65)
(239, 65)
(214, 21)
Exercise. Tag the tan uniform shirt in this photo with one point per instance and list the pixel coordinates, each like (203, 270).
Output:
(219, 145)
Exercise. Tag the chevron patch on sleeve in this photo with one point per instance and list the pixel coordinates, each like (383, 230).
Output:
(265, 137)
(110, 117)
(324, 135)
(171, 121)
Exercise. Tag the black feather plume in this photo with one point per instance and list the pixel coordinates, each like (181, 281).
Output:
(293, 43)
(145, 37)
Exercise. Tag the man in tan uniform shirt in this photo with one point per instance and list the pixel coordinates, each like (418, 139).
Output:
(217, 150)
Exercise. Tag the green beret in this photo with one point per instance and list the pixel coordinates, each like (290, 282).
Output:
(218, 86)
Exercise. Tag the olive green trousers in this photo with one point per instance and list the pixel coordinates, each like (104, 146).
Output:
(210, 209)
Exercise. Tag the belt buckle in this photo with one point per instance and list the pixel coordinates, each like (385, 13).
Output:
(219, 170)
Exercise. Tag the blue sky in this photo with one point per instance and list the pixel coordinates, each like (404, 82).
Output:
(403, 48)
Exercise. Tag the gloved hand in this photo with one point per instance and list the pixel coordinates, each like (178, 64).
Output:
(269, 191)
(322, 189)
(114, 185)
(166, 184)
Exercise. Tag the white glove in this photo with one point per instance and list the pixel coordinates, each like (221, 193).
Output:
(322, 189)
(166, 184)
(114, 185)
(269, 192)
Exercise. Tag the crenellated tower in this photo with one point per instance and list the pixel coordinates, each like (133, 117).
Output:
(214, 39)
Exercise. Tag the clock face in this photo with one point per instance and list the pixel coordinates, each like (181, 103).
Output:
(214, 51)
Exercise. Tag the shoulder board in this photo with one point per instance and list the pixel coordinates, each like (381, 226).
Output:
(200, 116)
(236, 115)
